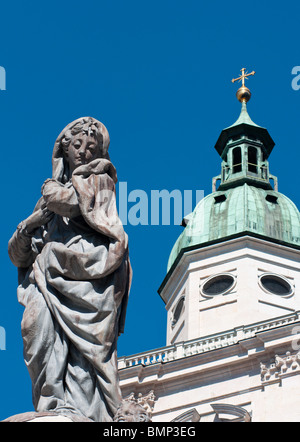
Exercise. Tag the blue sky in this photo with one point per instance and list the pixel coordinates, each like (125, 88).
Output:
(158, 75)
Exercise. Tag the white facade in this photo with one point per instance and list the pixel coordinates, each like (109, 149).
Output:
(246, 259)
(233, 299)
(232, 355)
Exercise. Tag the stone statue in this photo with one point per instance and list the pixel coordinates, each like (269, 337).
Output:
(131, 412)
(74, 279)
(133, 409)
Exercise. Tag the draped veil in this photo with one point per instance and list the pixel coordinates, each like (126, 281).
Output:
(74, 280)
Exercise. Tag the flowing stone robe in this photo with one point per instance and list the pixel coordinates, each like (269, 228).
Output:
(74, 280)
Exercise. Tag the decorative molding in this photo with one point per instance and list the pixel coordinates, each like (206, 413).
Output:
(239, 413)
(188, 416)
(146, 401)
(283, 365)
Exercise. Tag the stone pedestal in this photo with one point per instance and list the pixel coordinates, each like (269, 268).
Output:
(46, 416)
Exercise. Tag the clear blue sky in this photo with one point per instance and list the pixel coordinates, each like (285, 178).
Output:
(157, 74)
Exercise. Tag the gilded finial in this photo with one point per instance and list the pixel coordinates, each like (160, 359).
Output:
(243, 93)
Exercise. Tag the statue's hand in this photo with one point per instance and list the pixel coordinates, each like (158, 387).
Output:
(39, 218)
(60, 199)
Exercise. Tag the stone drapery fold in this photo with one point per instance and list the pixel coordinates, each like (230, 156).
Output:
(74, 280)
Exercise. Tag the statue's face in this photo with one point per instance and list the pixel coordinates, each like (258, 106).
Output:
(82, 150)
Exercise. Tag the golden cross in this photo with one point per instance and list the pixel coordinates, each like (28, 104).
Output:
(243, 76)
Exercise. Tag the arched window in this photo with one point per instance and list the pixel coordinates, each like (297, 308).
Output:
(236, 160)
(252, 159)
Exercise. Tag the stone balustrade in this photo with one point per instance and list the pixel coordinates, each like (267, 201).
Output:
(204, 344)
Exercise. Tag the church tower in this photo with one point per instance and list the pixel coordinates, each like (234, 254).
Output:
(232, 293)
(237, 260)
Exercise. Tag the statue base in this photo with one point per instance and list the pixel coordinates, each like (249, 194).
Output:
(46, 416)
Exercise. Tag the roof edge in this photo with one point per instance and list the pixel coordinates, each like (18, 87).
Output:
(216, 241)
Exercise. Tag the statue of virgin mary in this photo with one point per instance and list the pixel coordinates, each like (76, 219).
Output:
(74, 279)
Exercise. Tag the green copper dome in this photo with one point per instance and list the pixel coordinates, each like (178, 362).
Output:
(239, 211)
(245, 203)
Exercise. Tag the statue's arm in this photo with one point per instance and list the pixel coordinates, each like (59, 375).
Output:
(19, 246)
(60, 199)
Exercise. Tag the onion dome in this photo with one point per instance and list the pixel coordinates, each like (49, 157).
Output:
(246, 201)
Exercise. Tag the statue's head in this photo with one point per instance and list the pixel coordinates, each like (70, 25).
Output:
(131, 412)
(81, 142)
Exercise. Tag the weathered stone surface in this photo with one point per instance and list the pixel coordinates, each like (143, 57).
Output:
(33, 416)
(74, 276)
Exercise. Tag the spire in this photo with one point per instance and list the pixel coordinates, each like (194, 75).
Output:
(243, 94)
(244, 126)
(244, 117)
(244, 148)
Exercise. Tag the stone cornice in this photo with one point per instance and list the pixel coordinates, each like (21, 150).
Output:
(206, 344)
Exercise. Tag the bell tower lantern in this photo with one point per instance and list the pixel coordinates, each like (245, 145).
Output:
(244, 148)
